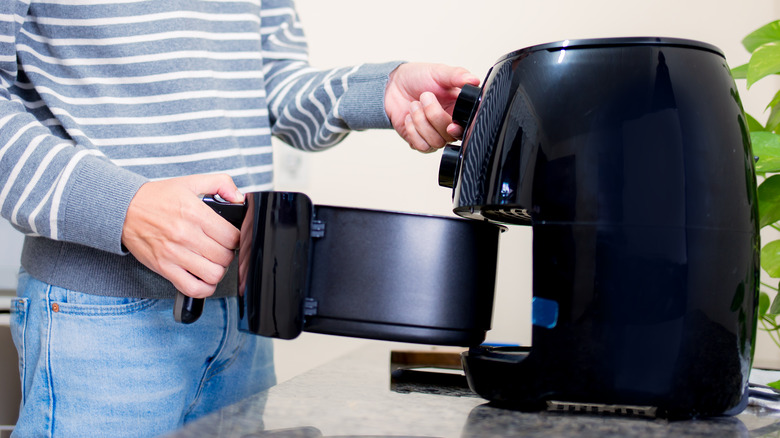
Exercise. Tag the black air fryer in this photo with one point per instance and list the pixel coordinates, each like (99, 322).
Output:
(631, 160)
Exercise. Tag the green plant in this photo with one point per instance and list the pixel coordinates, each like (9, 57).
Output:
(764, 47)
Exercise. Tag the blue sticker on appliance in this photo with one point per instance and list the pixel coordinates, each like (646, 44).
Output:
(544, 312)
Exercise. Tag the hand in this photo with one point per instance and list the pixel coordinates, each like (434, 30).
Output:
(419, 100)
(171, 231)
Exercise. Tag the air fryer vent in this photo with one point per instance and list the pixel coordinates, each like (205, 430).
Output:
(597, 408)
(518, 216)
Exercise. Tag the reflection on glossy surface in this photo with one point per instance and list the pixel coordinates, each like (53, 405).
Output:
(373, 276)
(273, 262)
(630, 159)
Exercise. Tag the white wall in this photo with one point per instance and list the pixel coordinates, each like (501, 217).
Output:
(10, 251)
(377, 170)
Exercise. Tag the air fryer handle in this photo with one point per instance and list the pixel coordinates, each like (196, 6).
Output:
(187, 310)
(233, 213)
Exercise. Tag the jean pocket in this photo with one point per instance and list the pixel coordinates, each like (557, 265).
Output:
(18, 320)
(66, 301)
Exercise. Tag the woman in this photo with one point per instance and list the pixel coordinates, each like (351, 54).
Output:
(115, 117)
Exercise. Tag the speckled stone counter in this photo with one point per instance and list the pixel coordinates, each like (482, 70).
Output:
(352, 397)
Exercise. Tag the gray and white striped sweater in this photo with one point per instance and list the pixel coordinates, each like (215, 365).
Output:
(99, 96)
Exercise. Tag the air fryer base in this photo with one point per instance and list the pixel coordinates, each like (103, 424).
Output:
(503, 378)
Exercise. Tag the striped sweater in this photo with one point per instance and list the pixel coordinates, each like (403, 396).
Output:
(98, 97)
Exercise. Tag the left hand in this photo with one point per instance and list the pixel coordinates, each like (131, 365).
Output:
(419, 100)
(171, 231)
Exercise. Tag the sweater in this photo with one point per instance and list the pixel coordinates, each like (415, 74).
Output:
(98, 97)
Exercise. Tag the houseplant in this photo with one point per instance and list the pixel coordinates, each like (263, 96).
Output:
(764, 47)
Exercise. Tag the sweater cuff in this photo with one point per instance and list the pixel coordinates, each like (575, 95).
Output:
(96, 204)
(363, 105)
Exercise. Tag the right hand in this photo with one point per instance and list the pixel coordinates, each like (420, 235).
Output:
(171, 231)
(419, 100)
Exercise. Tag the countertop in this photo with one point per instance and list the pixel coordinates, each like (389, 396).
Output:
(353, 396)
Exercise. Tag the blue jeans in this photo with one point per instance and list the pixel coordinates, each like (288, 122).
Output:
(103, 366)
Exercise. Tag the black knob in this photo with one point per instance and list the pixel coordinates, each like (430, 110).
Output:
(464, 105)
(448, 167)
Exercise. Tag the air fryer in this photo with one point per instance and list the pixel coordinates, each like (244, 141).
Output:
(630, 159)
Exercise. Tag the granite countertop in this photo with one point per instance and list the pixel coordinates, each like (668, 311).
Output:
(353, 396)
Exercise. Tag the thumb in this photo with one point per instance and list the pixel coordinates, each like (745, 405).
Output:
(216, 184)
(454, 77)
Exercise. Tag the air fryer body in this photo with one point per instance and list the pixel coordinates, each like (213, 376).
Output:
(631, 160)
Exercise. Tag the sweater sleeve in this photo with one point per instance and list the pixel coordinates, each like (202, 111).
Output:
(315, 109)
(49, 185)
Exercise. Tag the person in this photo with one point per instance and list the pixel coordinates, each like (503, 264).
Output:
(116, 116)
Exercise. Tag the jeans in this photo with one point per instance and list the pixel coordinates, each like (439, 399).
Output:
(104, 366)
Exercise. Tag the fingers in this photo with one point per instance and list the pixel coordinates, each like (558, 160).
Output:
(419, 100)
(453, 77)
(172, 232)
(211, 184)
(221, 238)
(455, 130)
(427, 125)
(194, 274)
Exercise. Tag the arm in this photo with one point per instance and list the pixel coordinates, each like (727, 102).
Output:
(56, 183)
(315, 109)
(50, 185)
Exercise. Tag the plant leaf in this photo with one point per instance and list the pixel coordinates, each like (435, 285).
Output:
(774, 309)
(775, 100)
(739, 72)
(766, 146)
(773, 121)
(765, 34)
(753, 124)
(769, 201)
(770, 258)
(763, 304)
(765, 61)
(775, 385)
